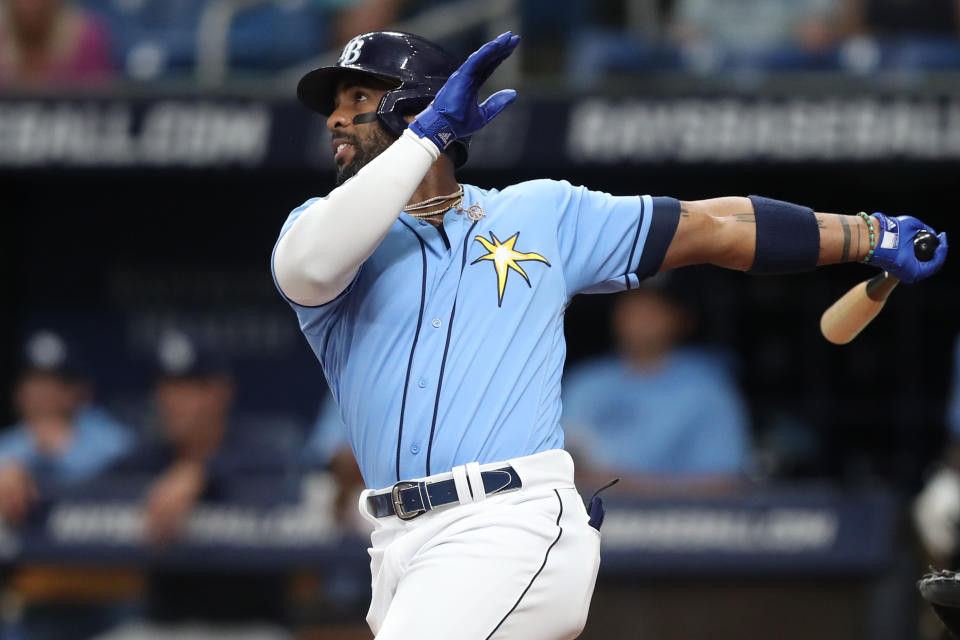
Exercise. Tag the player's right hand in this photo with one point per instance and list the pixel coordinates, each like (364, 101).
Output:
(171, 499)
(454, 112)
(895, 253)
(17, 493)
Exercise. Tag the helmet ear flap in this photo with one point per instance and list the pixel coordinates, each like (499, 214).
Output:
(411, 97)
(397, 103)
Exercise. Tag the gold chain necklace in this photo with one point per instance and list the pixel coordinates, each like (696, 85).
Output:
(434, 200)
(474, 212)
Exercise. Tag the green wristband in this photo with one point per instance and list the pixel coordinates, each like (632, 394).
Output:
(873, 236)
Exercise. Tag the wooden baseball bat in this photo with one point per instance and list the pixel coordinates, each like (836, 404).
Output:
(851, 314)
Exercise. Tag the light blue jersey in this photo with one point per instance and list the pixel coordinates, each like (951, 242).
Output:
(448, 345)
(684, 418)
(97, 441)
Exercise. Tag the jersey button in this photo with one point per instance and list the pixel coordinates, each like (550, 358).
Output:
(414, 448)
(436, 323)
(422, 383)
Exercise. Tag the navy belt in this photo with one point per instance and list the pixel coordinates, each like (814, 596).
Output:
(407, 500)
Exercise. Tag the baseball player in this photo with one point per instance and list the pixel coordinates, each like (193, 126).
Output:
(436, 310)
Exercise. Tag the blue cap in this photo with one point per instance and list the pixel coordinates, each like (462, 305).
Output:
(180, 357)
(47, 351)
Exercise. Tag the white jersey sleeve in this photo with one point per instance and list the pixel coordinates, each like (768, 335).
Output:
(319, 253)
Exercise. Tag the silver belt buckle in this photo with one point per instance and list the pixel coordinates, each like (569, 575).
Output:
(398, 506)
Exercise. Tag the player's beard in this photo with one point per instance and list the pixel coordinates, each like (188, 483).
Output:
(364, 152)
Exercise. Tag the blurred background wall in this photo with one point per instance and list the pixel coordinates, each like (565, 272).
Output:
(151, 149)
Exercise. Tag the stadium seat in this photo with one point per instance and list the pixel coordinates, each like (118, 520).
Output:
(276, 35)
(157, 38)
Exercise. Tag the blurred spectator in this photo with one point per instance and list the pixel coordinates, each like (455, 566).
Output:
(758, 34)
(663, 417)
(329, 449)
(904, 35)
(61, 438)
(607, 35)
(154, 37)
(49, 41)
(161, 38)
(196, 457)
(937, 509)
(193, 397)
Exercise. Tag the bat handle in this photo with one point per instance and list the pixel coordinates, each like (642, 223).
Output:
(848, 316)
(881, 285)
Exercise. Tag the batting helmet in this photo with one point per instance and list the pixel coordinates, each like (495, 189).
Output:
(419, 66)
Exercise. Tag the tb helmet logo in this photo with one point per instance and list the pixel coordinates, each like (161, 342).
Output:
(504, 258)
(351, 52)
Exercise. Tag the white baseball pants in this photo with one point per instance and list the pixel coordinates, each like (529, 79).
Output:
(518, 565)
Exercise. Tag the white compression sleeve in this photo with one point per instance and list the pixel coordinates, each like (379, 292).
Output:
(320, 254)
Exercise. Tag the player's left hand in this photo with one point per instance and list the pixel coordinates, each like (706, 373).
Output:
(895, 253)
(454, 112)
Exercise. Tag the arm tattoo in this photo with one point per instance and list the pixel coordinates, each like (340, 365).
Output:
(845, 256)
(749, 218)
(821, 223)
(684, 212)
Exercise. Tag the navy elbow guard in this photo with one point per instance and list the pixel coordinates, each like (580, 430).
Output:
(788, 238)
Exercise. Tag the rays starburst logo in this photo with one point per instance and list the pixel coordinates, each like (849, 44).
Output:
(505, 258)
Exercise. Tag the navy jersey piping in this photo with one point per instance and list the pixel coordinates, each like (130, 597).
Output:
(443, 234)
(413, 347)
(539, 571)
(636, 237)
(446, 349)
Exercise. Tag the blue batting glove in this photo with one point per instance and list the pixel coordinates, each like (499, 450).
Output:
(454, 112)
(894, 252)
